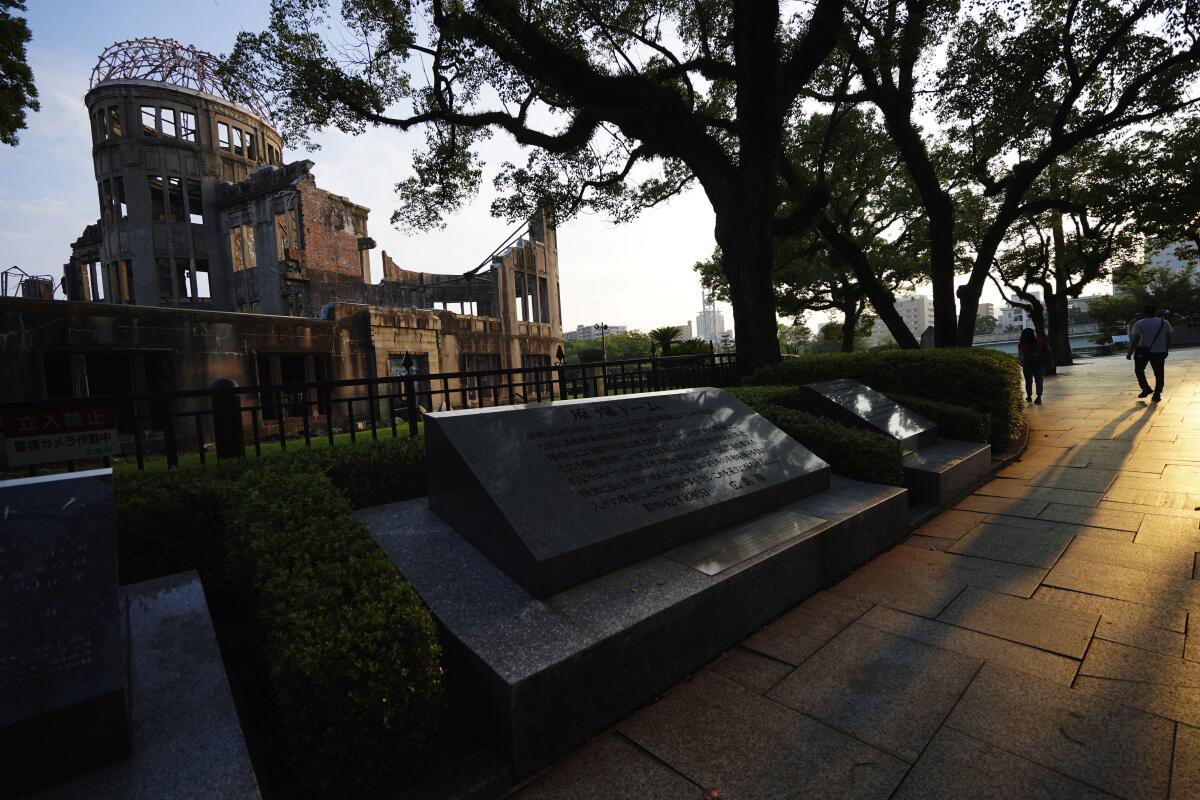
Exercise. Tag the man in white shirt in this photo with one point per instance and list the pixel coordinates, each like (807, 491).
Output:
(1149, 342)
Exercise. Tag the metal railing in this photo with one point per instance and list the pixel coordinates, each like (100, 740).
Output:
(227, 420)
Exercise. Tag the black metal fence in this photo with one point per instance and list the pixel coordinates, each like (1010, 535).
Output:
(227, 420)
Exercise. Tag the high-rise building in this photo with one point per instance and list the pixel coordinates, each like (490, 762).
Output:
(917, 312)
(710, 322)
(986, 310)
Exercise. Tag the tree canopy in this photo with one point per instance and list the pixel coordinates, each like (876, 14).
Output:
(694, 91)
(17, 91)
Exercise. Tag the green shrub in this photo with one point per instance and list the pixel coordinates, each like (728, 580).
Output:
(351, 654)
(858, 454)
(338, 639)
(953, 421)
(368, 473)
(984, 380)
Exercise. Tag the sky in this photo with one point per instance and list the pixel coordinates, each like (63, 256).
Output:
(638, 274)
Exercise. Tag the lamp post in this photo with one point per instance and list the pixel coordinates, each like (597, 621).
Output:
(603, 328)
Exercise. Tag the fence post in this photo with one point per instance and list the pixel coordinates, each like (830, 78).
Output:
(562, 382)
(227, 419)
(410, 402)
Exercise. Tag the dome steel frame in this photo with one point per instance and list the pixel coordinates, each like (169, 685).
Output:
(169, 61)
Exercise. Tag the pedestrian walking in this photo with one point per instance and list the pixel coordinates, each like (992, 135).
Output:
(1032, 351)
(1149, 343)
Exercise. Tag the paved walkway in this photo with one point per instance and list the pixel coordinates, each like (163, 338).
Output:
(1032, 642)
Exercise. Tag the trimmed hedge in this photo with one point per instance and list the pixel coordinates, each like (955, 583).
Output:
(984, 380)
(343, 652)
(858, 454)
(351, 654)
(953, 421)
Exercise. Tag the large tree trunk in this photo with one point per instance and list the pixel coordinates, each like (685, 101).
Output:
(850, 316)
(747, 252)
(882, 299)
(745, 215)
(1058, 328)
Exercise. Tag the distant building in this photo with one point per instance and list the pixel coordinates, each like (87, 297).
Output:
(917, 312)
(586, 333)
(1174, 257)
(986, 310)
(1016, 317)
(685, 332)
(710, 323)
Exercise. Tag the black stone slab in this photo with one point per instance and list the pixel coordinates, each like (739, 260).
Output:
(63, 670)
(561, 493)
(859, 406)
(942, 472)
(544, 675)
(187, 740)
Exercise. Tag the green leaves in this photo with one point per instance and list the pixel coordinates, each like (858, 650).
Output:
(18, 93)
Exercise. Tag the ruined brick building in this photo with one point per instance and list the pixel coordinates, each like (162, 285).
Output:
(213, 258)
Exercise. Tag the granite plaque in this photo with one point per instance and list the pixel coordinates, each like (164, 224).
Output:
(62, 663)
(561, 493)
(858, 406)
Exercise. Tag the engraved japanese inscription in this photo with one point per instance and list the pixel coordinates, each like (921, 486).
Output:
(617, 478)
(62, 670)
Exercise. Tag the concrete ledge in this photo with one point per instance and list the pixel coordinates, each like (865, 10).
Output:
(942, 472)
(544, 675)
(187, 741)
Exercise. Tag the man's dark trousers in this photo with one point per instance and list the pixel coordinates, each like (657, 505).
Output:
(1156, 361)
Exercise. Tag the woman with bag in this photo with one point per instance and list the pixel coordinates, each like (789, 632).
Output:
(1032, 352)
(1149, 342)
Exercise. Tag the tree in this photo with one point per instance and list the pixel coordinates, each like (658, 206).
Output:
(691, 347)
(1023, 85)
(700, 89)
(985, 324)
(17, 91)
(795, 338)
(665, 337)
(1176, 294)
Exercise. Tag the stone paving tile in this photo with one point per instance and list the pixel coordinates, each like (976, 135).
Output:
(1095, 517)
(1161, 511)
(750, 669)
(1024, 469)
(1119, 749)
(1168, 531)
(1058, 630)
(1070, 528)
(1122, 583)
(1005, 653)
(1148, 497)
(928, 542)
(1014, 544)
(1185, 772)
(1191, 648)
(955, 765)
(1020, 490)
(925, 581)
(1169, 702)
(951, 523)
(1177, 561)
(721, 735)
(1087, 479)
(802, 631)
(1123, 663)
(1147, 637)
(1001, 505)
(886, 690)
(608, 767)
(1110, 608)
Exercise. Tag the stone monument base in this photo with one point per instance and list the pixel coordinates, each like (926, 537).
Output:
(187, 741)
(941, 473)
(543, 675)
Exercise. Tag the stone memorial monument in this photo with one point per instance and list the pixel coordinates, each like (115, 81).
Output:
(937, 471)
(858, 406)
(63, 670)
(562, 493)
